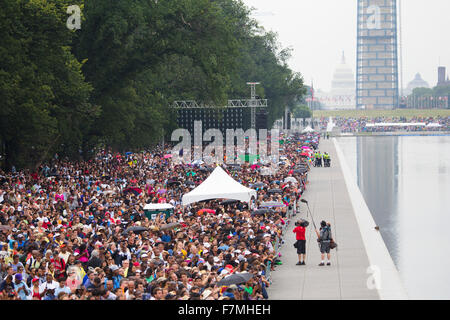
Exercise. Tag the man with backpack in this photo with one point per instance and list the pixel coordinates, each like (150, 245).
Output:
(324, 238)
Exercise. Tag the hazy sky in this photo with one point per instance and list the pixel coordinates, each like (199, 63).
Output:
(319, 30)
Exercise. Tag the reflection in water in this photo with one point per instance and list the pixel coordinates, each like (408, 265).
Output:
(377, 165)
(406, 185)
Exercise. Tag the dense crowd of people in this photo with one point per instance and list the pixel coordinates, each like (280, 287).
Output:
(65, 228)
(352, 125)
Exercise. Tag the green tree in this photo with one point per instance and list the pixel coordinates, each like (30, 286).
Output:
(127, 44)
(422, 92)
(110, 84)
(301, 111)
(44, 95)
(441, 91)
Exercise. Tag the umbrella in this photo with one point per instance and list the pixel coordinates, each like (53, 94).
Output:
(229, 201)
(291, 179)
(169, 226)
(136, 229)
(199, 212)
(173, 182)
(198, 162)
(306, 147)
(275, 191)
(162, 191)
(189, 183)
(191, 173)
(136, 191)
(262, 211)
(273, 204)
(167, 156)
(304, 154)
(236, 278)
(128, 153)
(300, 170)
(258, 185)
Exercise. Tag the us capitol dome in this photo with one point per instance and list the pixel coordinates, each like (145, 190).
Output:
(342, 95)
(417, 82)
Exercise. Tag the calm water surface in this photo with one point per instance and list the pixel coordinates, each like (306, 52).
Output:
(406, 184)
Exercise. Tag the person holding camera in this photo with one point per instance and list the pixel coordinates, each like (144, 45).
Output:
(324, 238)
(299, 230)
(47, 289)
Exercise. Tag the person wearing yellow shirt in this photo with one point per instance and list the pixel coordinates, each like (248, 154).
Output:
(125, 266)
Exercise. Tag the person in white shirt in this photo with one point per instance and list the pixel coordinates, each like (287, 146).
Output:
(62, 287)
(49, 284)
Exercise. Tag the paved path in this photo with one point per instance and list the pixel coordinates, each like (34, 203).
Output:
(347, 276)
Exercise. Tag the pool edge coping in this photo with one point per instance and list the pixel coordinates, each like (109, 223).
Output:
(390, 285)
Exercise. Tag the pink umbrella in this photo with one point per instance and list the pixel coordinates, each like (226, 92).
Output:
(167, 156)
(200, 212)
(306, 147)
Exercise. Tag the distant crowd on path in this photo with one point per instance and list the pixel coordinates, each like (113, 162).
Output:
(63, 229)
(352, 125)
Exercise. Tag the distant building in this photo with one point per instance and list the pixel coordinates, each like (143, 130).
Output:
(442, 81)
(417, 82)
(342, 95)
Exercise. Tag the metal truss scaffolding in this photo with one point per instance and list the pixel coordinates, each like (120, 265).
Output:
(236, 114)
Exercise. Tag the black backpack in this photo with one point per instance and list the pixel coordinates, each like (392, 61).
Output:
(326, 234)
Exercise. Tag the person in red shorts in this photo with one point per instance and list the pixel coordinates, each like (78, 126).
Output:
(299, 231)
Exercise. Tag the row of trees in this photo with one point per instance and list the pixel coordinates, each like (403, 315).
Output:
(428, 98)
(438, 91)
(111, 82)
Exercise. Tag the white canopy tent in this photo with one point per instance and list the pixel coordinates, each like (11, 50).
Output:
(219, 185)
(308, 129)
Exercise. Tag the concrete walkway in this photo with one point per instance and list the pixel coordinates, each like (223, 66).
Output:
(347, 276)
